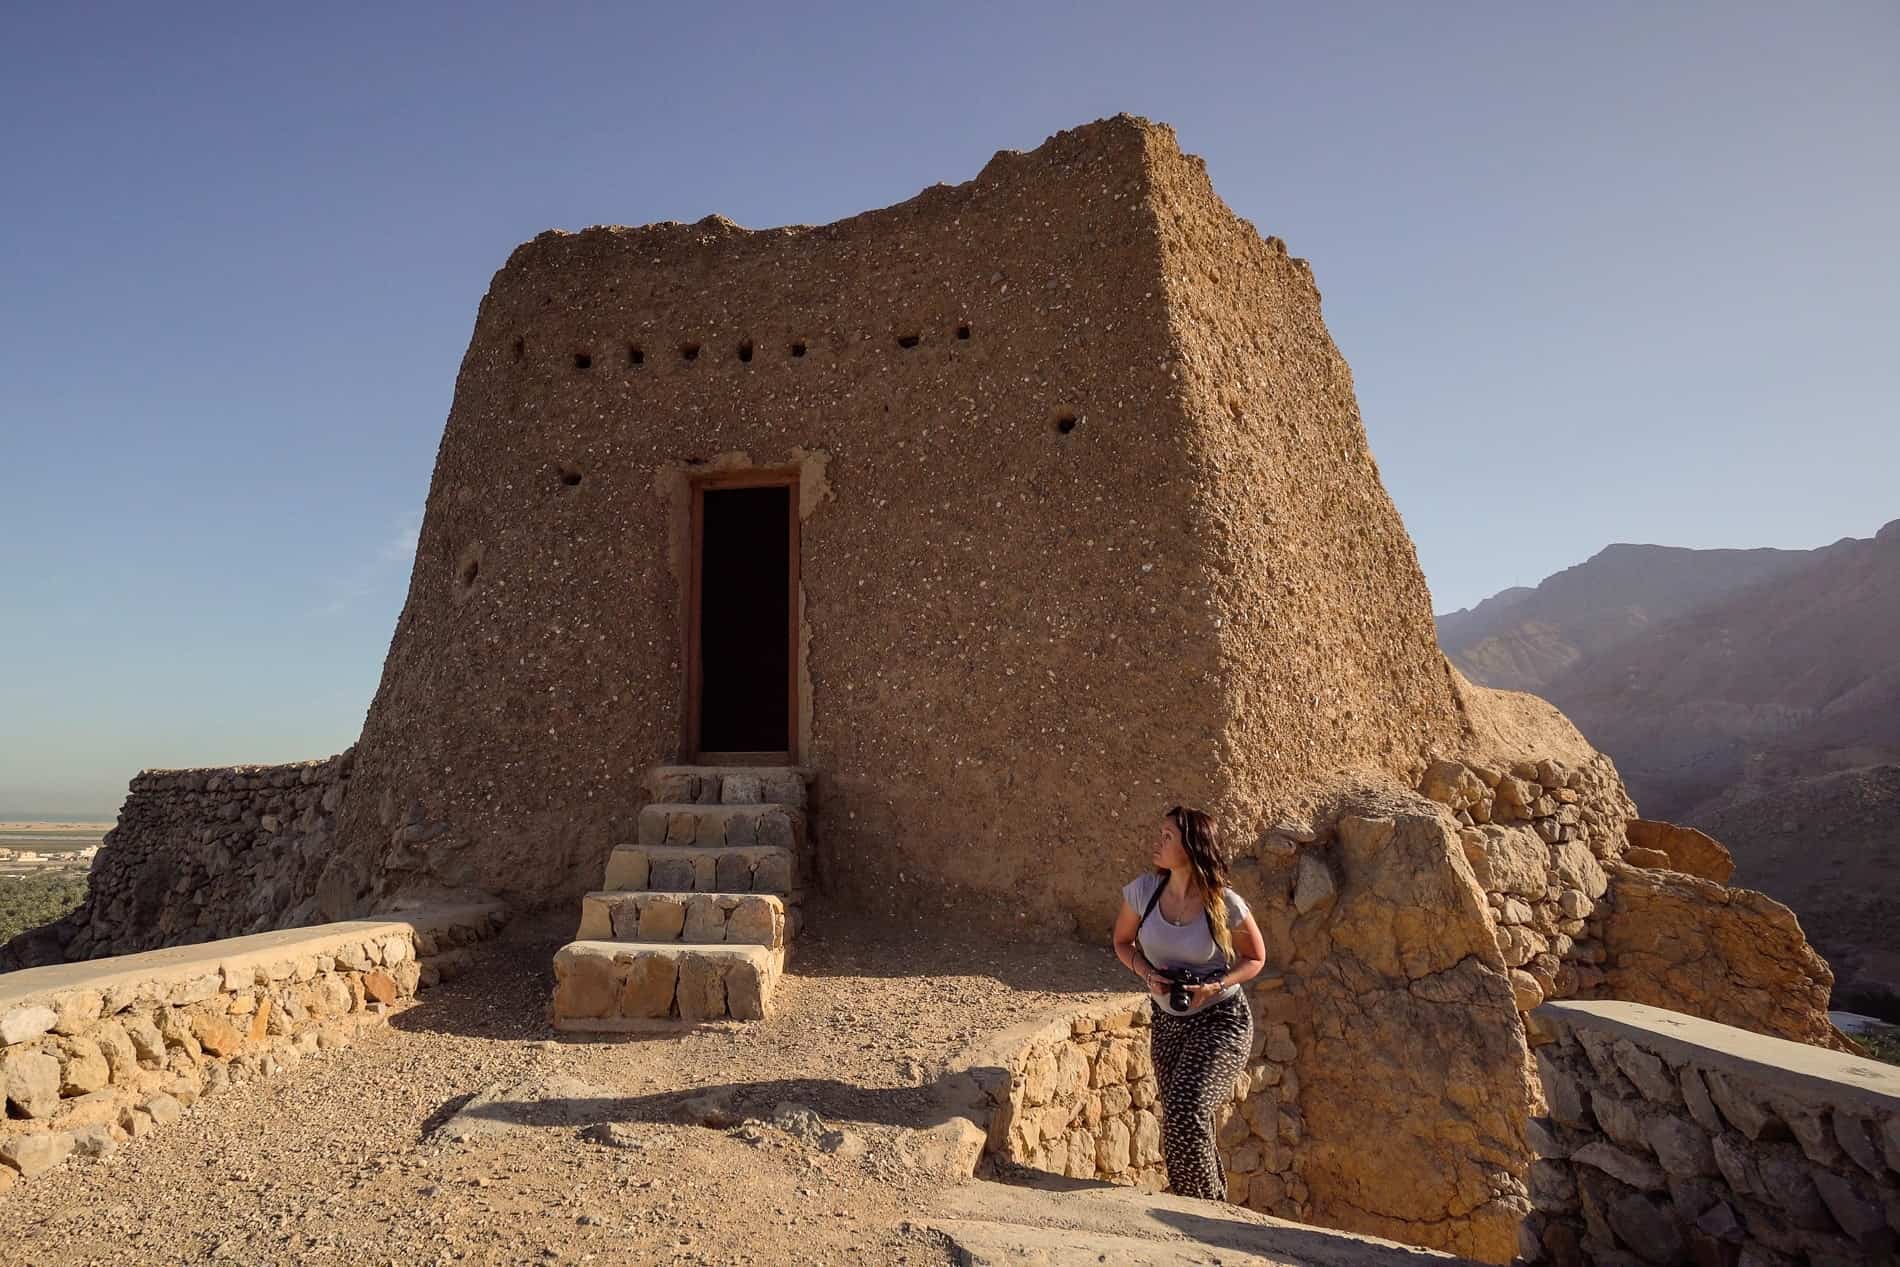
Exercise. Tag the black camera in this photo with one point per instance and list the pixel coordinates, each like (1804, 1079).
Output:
(1181, 981)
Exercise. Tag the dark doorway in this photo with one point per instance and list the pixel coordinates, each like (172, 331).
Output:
(744, 621)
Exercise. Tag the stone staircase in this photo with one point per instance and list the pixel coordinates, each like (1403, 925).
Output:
(694, 920)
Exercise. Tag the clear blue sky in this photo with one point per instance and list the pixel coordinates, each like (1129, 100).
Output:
(1604, 272)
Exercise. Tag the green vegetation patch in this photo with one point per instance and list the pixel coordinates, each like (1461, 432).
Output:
(31, 900)
(1882, 1044)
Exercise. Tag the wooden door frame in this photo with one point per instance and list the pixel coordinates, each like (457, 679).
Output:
(760, 478)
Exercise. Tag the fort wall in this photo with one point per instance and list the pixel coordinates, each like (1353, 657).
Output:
(1030, 570)
(202, 854)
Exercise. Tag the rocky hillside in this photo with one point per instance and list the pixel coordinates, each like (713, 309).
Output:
(1752, 693)
(1521, 639)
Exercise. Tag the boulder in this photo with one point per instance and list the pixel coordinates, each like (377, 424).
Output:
(1729, 955)
(31, 1081)
(1684, 848)
(23, 1024)
(35, 1154)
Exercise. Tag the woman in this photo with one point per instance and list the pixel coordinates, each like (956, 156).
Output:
(1182, 918)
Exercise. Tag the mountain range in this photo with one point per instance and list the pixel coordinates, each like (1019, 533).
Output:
(1754, 694)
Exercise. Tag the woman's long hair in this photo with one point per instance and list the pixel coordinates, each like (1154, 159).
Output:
(1200, 836)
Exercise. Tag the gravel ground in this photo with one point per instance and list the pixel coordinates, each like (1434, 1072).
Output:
(650, 1149)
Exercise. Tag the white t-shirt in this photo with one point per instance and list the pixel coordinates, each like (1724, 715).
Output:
(1168, 945)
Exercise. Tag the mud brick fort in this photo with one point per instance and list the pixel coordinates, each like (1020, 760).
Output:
(918, 561)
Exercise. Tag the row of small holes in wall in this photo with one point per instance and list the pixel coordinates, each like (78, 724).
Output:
(636, 355)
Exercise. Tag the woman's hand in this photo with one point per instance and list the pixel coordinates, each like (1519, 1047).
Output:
(1157, 984)
(1199, 996)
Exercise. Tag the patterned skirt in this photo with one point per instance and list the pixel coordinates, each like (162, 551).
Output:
(1197, 1058)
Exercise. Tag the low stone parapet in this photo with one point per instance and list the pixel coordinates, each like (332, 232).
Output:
(1675, 1139)
(98, 1053)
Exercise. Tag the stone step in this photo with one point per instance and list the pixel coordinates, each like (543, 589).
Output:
(732, 919)
(677, 823)
(703, 869)
(729, 785)
(615, 987)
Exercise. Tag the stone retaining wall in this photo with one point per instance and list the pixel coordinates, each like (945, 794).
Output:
(1080, 1100)
(202, 854)
(96, 1054)
(1675, 1139)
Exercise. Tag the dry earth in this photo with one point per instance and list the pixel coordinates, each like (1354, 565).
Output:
(358, 1156)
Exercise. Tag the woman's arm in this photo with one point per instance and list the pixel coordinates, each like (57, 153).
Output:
(1250, 956)
(1127, 926)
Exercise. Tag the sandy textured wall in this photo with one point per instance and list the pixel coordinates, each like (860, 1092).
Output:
(1328, 652)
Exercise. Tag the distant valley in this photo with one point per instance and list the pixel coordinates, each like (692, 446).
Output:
(1752, 693)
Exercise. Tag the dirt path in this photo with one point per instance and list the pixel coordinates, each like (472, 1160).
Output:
(340, 1161)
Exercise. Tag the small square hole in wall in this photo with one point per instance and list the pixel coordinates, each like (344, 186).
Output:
(908, 340)
(689, 351)
(635, 356)
(582, 361)
(570, 475)
(1065, 421)
(963, 331)
(521, 348)
(745, 351)
(798, 347)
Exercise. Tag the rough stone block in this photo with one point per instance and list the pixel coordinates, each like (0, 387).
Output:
(1637, 1172)
(747, 990)
(1740, 1105)
(705, 921)
(587, 981)
(755, 920)
(1620, 1120)
(1553, 1187)
(741, 789)
(681, 827)
(23, 1024)
(702, 990)
(31, 1083)
(1681, 1146)
(773, 874)
(1855, 1209)
(782, 787)
(675, 874)
(732, 873)
(1787, 1181)
(82, 1067)
(34, 1155)
(1737, 1165)
(596, 920)
(1563, 1093)
(1647, 1224)
(775, 830)
(650, 983)
(661, 918)
(1856, 1138)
